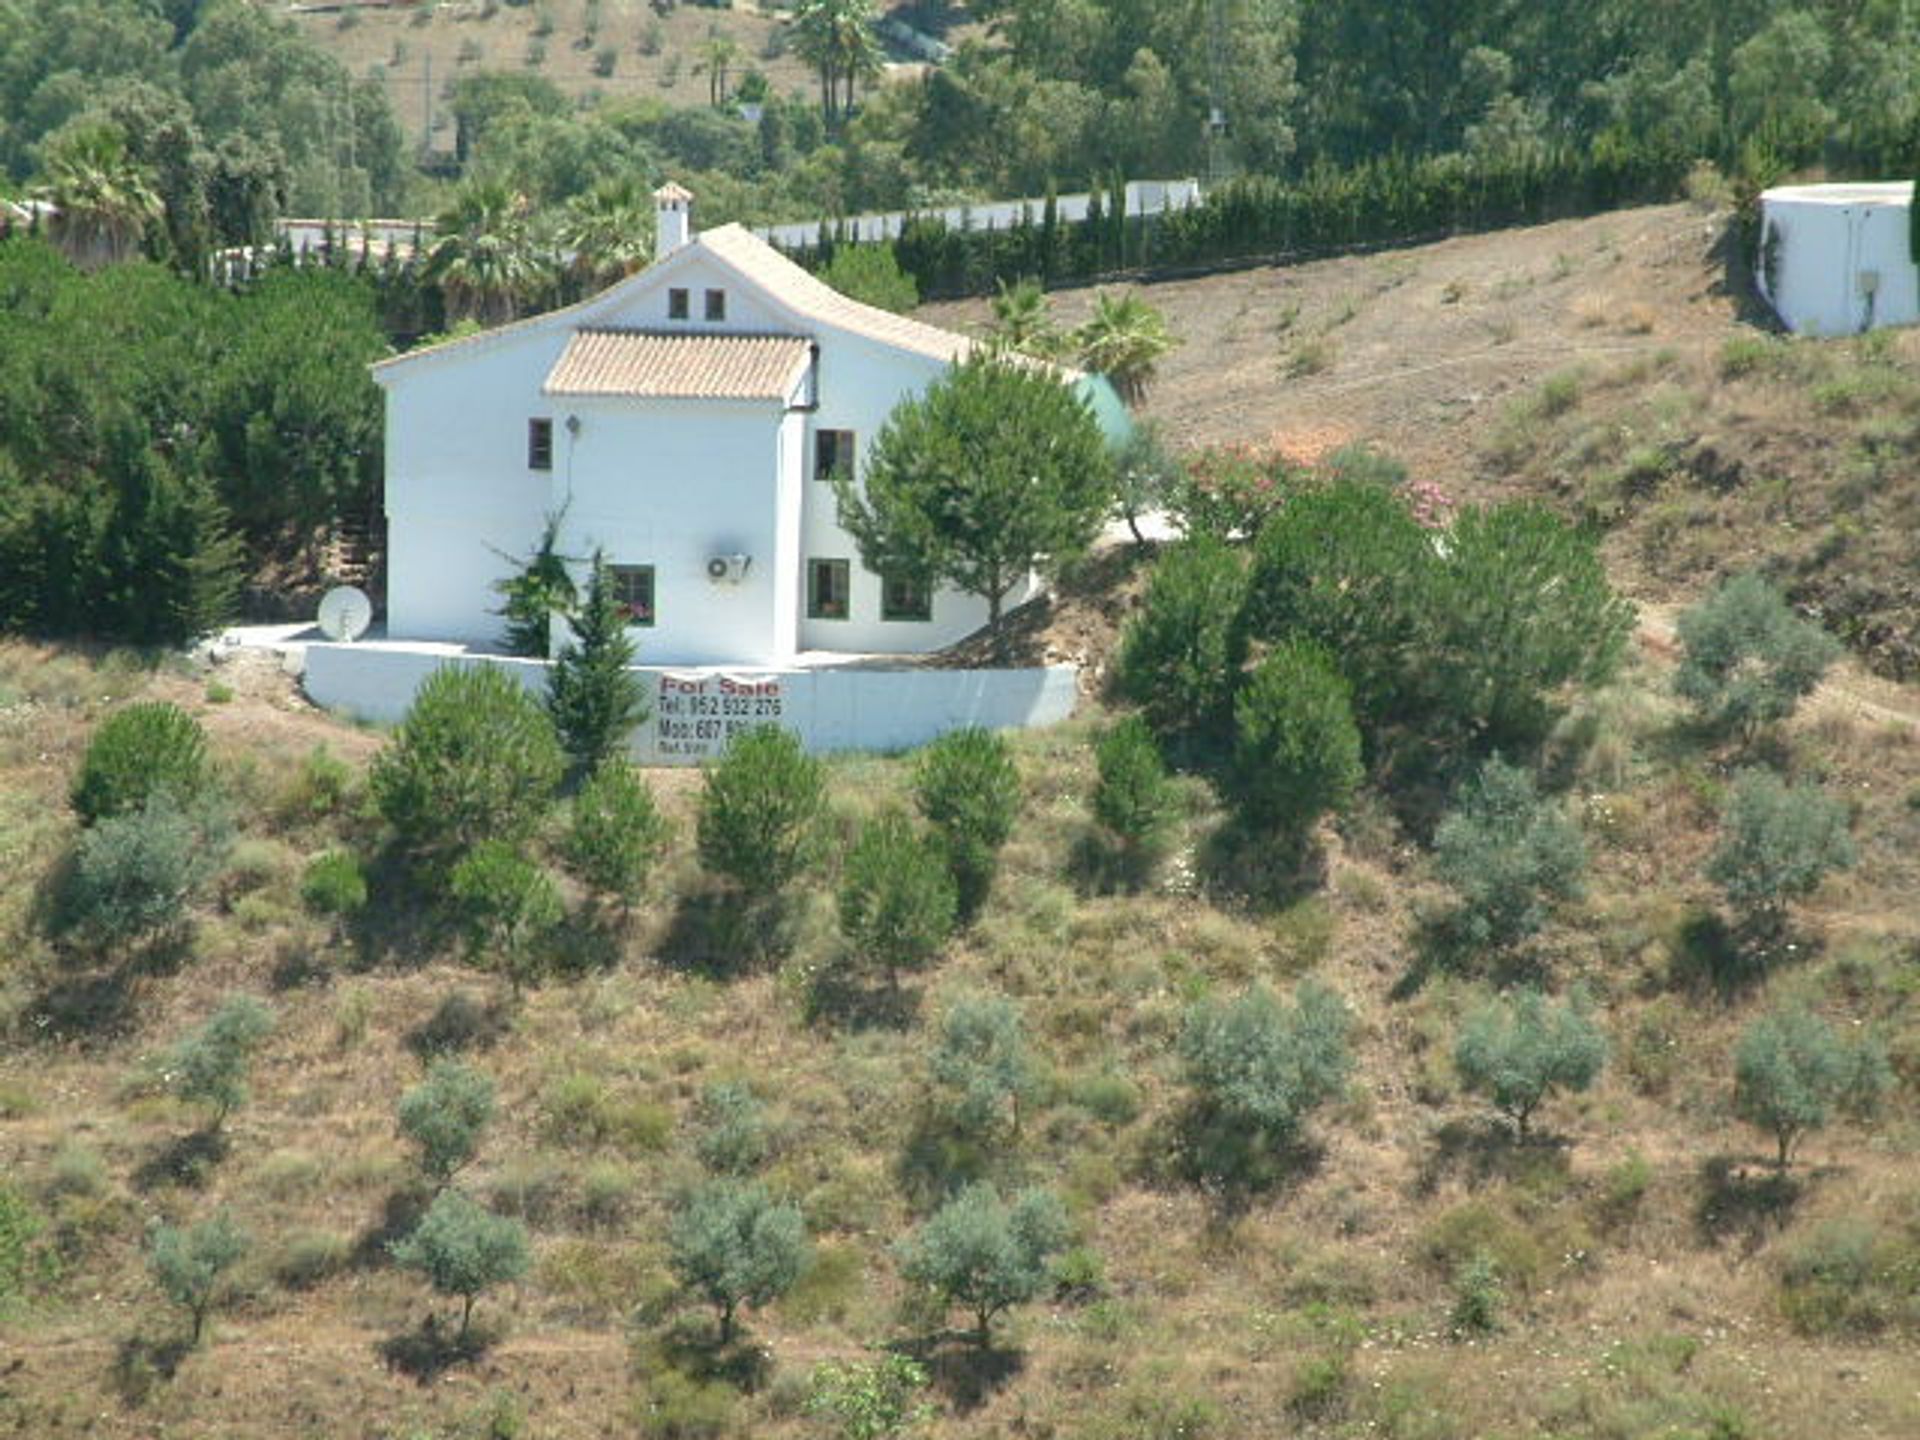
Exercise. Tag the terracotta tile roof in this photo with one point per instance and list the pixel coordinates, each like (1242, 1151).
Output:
(645, 364)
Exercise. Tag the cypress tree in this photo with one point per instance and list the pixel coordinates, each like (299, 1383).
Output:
(594, 697)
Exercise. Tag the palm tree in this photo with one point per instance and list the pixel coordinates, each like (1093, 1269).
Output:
(1023, 320)
(1122, 340)
(717, 54)
(607, 232)
(837, 38)
(486, 259)
(103, 201)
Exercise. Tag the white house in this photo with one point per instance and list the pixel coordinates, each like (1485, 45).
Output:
(1836, 259)
(685, 421)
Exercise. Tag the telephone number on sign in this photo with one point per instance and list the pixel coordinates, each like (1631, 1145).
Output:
(762, 707)
(702, 729)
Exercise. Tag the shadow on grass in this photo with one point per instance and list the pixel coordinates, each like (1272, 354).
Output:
(1235, 1165)
(1743, 1205)
(1240, 866)
(842, 997)
(1102, 864)
(692, 1347)
(966, 1373)
(428, 1351)
(398, 1215)
(1476, 1152)
(186, 1160)
(141, 1366)
(1441, 948)
(938, 1159)
(463, 1020)
(395, 928)
(1713, 958)
(720, 935)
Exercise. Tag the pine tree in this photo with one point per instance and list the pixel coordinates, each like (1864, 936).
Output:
(593, 695)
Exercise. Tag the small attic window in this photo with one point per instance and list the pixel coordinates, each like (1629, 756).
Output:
(716, 304)
(677, 304)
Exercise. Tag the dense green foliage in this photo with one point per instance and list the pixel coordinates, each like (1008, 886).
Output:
(1748, 659)
(897, 900)
(148, 748)
(1792, 1071)
(1258, 1069)
(616, 834)
(539, 588)
(761, 809)
(594, 697)
(445, 1115)
(20, 1230)
(733, 1244)
(188, 1263)
(871, 275)
(869, 1399)
(507, 905)
(1777, 843)
(334, 884)
(987, 1254)
(966, 785)
(1519, 1051)
(1178, 656)
(209, 1066)
(464, 1249)
(982, 1063)
(1296, 749)
(476, 759)
(1507, 852)
(734, 1136)
(134, 875)
(1133, 801)
(994, 471)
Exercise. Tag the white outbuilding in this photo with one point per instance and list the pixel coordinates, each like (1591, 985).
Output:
(685, 421)
(1837, 259)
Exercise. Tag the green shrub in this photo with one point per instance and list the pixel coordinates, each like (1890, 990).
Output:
(1133, 801)
(209, 1066)
(476, 759)
(445, 1115)
(311, 1257)
(1258, 1069)
(1791, 1071)
(1848, 1278)
(761, 810)
(1320, 1387)
(1747, 658)
(188, 1263)
(324, 786)
(869, 1399)
(1519, 1051)
(987, 1254)
(675, 1406)
(143, 750)
(1507, 852)
(897, 900)
(595, 698)
(981, 1062)
(1296, 750)
(1110, 1099)
(966, 785)
(22, 1262)
(617, 835)
(578, 1109)
(334, 884)
(507, 906)
(871, 275)
(732, 1244)
(733, 1138)
(464, 1250)
(1477, 1296)
(1178, 656)
(1777, 843)
(134, 874)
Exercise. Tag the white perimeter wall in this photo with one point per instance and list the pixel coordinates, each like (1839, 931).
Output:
(1824, 247)
(695, 710)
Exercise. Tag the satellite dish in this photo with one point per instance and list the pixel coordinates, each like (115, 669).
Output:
(345, 612)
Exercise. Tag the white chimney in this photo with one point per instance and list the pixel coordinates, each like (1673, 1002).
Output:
(673, 219)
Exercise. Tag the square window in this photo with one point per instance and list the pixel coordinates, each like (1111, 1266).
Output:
(540, 444)
(716, 304)
(633, 589)
(828, 594)
(832, 454)
(905, 597)
(677, 307)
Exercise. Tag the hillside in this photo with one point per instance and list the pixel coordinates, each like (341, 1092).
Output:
(1651, 1274)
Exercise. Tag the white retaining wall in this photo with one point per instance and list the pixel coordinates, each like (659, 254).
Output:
(695, 710)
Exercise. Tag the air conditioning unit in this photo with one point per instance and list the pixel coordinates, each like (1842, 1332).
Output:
(729, 569)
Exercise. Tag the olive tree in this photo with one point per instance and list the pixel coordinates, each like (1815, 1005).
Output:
(464, 1249)
(209, 1065)
(1519, 1051)
(995, 471)
(982, 1063)
(732, 1244)
(1508, 853)
(188, 1263)
(987, 1254)
(1777, 843)
(1791, 1071)
(445, 1115)
(1747, 659)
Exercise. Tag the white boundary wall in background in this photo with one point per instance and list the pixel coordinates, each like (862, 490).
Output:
(695, 710)
(1840, 257)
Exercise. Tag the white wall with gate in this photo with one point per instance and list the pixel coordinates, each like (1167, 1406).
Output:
(695, 710)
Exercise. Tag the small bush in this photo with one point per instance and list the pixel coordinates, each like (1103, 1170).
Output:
(675, 1406)
(1749, 660)
(1178, 656)
(507, 906)
(617, 834)
(21, 1260)
(334, 884)
(209, 1066)
(1133, 802)
(1477, 1297)
(189, 1262)
(311, 1257)
(733, 1138)
(869, 1399)
(761, 811)
(966, 785)
(445, 1115)
(143, 750)
(1777, 843)
(135, 873)
(324, 786)
(1518, 1052)
(1507, 853)
(1296, 749)
(897, 898)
